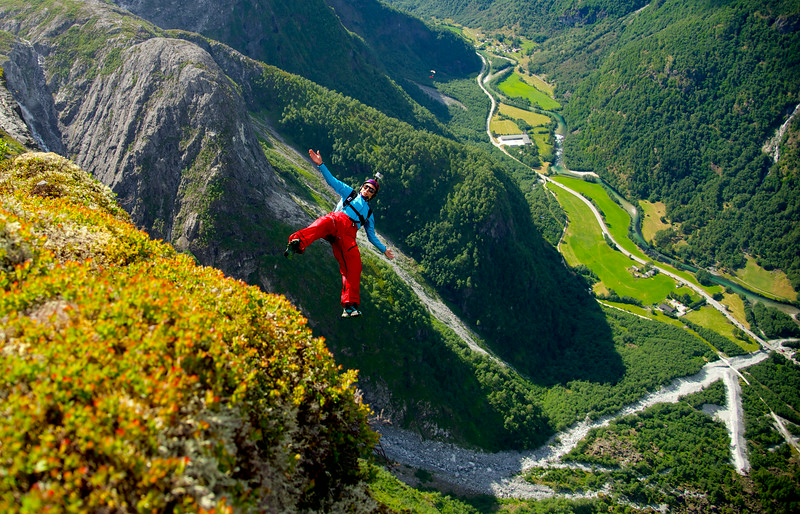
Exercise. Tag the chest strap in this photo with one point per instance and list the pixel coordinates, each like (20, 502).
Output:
(346, 204)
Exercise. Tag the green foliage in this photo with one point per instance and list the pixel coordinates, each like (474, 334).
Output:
(456, 211)
(778, 381)
(775, 470)
(401, 498)
(678, 110)
(647, 354)
(664, 449)
(135, 380)
(719, 342)
(52, 176)
(548, 216)
(773, 323)
(567, 480)
(530, 18)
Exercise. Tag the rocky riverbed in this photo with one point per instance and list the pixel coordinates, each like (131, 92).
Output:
(498, 474)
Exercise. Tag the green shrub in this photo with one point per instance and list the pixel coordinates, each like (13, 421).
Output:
(133, 379)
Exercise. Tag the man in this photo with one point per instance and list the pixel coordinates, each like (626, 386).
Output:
(339, 229)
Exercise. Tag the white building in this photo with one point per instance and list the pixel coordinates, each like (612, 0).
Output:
(514, 140)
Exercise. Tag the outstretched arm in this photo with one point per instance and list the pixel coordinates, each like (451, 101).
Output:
(340, 187)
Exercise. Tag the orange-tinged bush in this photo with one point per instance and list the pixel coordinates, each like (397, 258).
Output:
(133, 379)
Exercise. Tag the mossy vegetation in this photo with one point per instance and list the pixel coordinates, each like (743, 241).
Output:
(134, 379)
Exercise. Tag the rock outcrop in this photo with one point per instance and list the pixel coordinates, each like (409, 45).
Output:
(155, 118)
(28, 113)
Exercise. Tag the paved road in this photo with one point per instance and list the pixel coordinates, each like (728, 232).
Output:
(709, 299)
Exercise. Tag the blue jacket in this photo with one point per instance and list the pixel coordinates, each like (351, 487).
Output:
(358, 205)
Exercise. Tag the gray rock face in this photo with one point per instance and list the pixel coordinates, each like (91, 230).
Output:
(194, 15)
(30, 114)
(155, 118)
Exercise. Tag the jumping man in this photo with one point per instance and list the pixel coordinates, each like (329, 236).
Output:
(339, 229)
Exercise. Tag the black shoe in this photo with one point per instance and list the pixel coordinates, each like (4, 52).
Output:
(292, 248)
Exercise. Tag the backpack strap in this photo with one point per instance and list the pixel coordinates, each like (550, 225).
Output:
(352, 196)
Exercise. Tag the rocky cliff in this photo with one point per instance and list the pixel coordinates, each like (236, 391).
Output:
(309, 39)
(27, 110)
(156, 118)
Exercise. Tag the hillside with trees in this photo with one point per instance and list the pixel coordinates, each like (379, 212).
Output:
(359, 48)
(535, 20)
(205, 148)
(679, 112)
(134, 379)
(673, 102)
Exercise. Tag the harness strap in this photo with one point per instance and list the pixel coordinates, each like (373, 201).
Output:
(346, 204)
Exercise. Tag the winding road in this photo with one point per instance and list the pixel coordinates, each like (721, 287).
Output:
(482, 81)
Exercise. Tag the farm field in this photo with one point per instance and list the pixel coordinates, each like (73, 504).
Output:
(583, 243)
(616, 219)
(504, 127)
(514, 87)
(539, 84)
(651, 219)
(532, 118)
(769, 283)
(711, 318)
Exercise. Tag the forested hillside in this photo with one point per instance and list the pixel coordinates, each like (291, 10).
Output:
(536, 20)
(360, 49)
(183, 128)
(673, 101)
(206, 149)
(679, 111)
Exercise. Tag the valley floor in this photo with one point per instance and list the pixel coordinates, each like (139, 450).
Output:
(463, 470)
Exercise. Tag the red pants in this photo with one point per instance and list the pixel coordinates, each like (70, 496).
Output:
(340, 231)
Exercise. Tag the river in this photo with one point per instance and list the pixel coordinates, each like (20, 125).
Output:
(498, 474)
(638, 237)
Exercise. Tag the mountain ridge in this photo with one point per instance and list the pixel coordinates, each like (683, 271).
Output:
(196, 174)
(312, 40)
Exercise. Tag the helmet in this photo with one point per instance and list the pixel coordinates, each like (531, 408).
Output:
(373, 183)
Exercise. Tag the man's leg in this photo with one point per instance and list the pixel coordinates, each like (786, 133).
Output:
(351, 271)
(322, 226)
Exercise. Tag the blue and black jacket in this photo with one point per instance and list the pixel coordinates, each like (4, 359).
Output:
(357, 209)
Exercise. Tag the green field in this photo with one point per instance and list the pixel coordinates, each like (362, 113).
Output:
(617, 220)
(710, 317)
(539, 84)
(533, 119)
(651, 219)
(544, 142)
(503, 127)
(773, 284)
(514, 86)
(583, 243)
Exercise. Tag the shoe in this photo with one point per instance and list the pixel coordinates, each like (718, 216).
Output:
(351, 311)
(292, 248)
